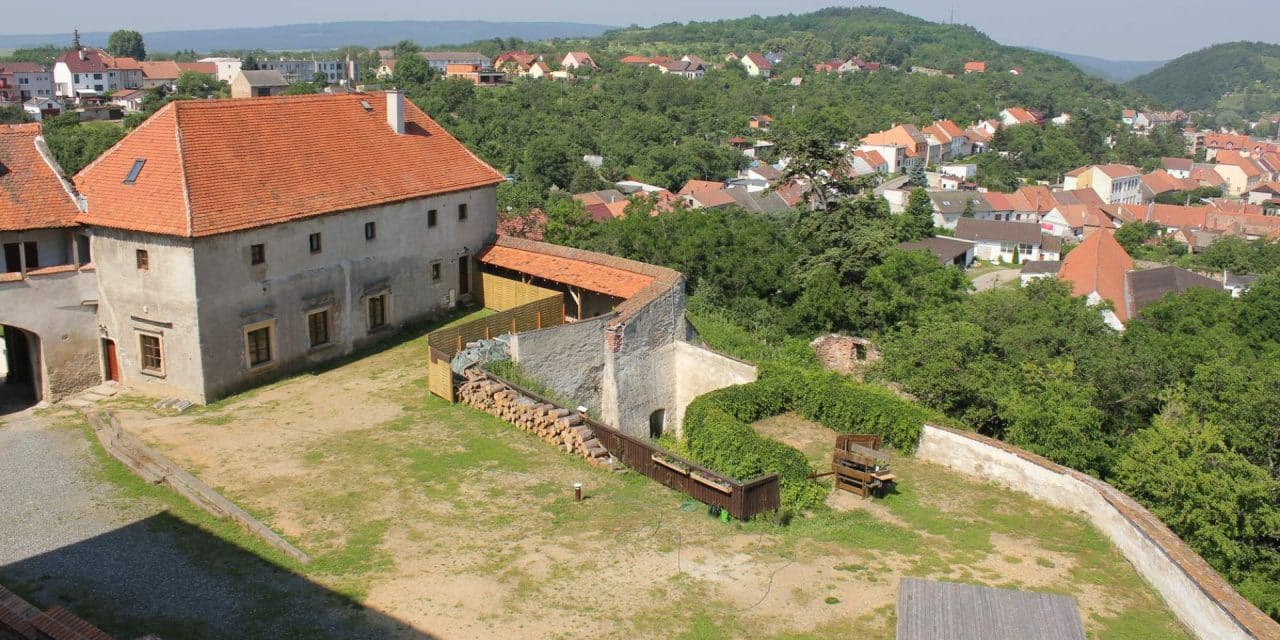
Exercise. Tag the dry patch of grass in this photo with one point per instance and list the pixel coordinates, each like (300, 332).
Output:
(462, 526)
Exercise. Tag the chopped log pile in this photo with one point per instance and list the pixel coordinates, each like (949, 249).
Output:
(561, 427)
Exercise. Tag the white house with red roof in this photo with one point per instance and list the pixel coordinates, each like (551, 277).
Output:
(93, 73)
(223, 262)
(30, 79)
(1014, 116)
(756, 65)
(575, 59)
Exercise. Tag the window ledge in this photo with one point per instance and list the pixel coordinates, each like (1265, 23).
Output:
(321, 348)
(152, 373)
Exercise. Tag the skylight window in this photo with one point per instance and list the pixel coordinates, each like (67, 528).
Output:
(365, 104)
(133, 172)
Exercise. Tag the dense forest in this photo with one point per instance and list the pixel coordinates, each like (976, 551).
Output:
(1241, 78)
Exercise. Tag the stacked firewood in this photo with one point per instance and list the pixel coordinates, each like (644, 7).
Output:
(561, 427)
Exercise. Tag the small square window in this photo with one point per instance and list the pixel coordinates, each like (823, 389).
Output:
(314, 241)
(370, 230)
(143, 260)
(462, 212)
(152, 356)
(435, 271)
(431, 218)
(258, 344)
(257, 253)
(318, 328)
(377, 312)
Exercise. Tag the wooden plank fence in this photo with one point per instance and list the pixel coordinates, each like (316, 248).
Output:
(742, 500)
(520, 306)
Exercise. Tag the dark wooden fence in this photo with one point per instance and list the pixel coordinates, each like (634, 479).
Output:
(741, 499)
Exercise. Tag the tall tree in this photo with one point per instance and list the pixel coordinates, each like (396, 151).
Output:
(412, 73)
(127, 44)
(917, 221)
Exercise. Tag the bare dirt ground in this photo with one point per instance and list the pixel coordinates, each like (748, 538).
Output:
(459, 526)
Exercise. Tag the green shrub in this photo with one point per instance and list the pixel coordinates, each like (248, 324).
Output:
(718, 432)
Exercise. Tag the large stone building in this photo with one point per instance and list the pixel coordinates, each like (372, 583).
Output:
(233, 241)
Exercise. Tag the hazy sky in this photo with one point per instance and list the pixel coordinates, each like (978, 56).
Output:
(1118, 29)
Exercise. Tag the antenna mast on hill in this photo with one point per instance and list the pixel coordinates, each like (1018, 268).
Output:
(953, 15)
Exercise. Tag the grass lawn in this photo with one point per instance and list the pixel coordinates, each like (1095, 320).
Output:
(459, 525)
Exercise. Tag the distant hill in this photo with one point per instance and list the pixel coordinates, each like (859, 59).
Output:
(1248, 71)
(1113, 70)
(328, 35)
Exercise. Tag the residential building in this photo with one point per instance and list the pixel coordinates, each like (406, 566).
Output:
(948, 251)
(225, 69)
(165, 73)
(258, 84)
(48, 292)
(975, 66)
(40, 108)
(1177, 167)
(690, 70)
(1074, 221)
(30, 79)
(440, 60)
(1010, 242)
(209, 282)
(952, 139)
(1102, 271)
(8, 88)
(477, 74)
(1161, 181)
(129, 99)
(902, 146)
(1038, 269)
(1014, 116)
(757, 66)
(761, 122)
(949, 207)
(575, 59)
(636, 60)
(1241, 173)
(300, 70)
(1114, 183)
(93, 73)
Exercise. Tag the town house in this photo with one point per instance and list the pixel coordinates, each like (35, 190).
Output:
(90, 73)
(223, 261)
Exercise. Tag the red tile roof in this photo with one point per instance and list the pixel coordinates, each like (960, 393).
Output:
(1115, 171)
(217, 166)
(22, 67)
(531, 225)
(758, 60)
(94, 61)
(32, 195)
(1250, 167)
(694, 186)
(168, 69)
(975, 66)
(635, 60)
(608, 280)
(1021, 116)
(1098, 265)
(1208, 176)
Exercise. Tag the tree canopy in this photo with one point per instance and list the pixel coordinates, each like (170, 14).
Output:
(126, 43)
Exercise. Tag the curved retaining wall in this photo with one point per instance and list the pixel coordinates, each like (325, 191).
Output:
(1201, 599)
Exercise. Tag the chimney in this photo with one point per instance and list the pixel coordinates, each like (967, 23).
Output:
(395, 111)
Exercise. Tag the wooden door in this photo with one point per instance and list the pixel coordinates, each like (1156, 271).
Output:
(112, 360)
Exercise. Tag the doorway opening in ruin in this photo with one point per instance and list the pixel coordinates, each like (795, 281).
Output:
(657, 420)
(20, 383)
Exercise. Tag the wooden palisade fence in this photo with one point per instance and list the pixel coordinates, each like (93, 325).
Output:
(519, 306)
(742, 500)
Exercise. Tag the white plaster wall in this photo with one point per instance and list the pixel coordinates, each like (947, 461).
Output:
(640, 377)
(568, 359)
(1072, 491)
(700, 371)
(234, 293)
(160, 301)
(59, 309)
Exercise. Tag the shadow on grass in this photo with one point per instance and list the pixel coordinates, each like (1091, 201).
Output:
(164, 576)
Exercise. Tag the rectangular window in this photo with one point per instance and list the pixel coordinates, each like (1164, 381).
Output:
(134, 171)
(318, 328)
(377, 312)
(257, 253)
(370, 230)
(152, 356)
(258, 343)
(435, 272)
(97, 76)
(431, 218)
(314, 241)
(462, 212)
(144, 262)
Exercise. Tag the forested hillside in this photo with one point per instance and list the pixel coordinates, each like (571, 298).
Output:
(1248, 71)
(665, 130)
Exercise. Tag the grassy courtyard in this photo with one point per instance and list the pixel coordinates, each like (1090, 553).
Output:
(457, 525)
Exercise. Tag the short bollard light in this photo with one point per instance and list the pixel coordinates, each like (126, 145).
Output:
(577, 492)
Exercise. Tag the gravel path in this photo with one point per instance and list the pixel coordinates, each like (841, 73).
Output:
(991, 280)
(125, 564)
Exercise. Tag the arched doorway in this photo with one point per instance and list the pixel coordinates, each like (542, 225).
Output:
(657, 420)
(20, 381)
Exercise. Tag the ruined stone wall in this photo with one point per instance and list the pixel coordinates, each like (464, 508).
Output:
(1204, 602)
(844, 353)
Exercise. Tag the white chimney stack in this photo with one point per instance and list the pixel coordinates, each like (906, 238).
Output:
(395, 111)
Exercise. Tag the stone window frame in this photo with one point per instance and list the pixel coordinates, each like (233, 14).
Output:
(385, 294)
(328, 329)
(140, 334)
(273, 345)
